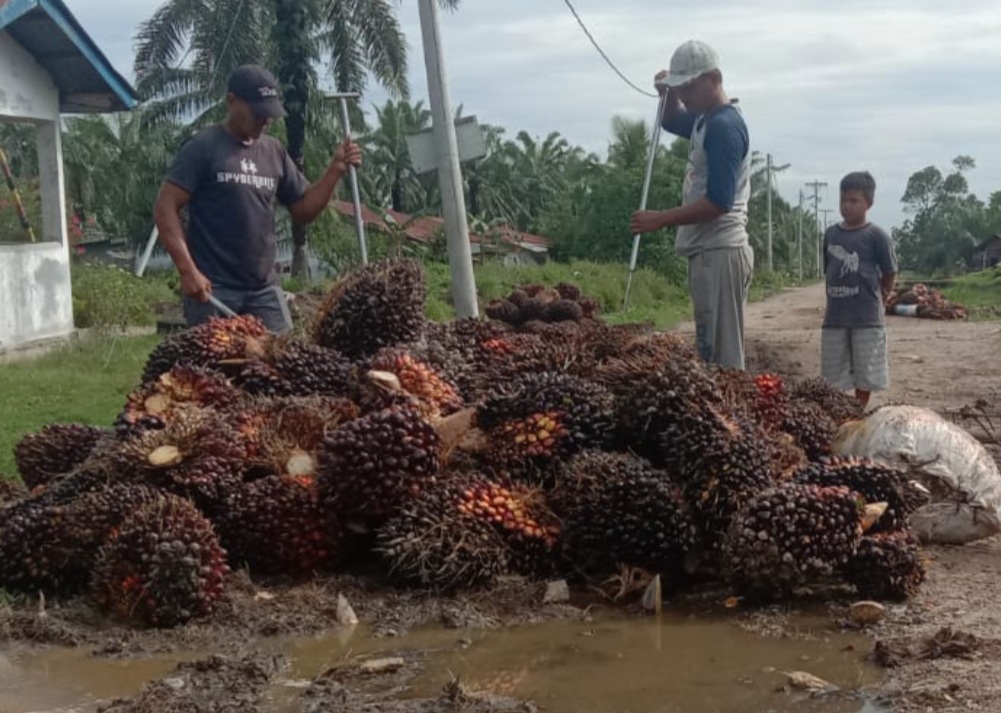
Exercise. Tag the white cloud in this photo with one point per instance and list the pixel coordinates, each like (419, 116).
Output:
(889, 85)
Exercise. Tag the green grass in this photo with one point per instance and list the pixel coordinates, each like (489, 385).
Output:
(979, 292)
(85, 382)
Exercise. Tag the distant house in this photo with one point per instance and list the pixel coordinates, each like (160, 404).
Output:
(514, 246)
(50, 67)
(987, 254)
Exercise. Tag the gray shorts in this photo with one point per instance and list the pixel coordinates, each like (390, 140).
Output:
(855, 358)
(268, 303)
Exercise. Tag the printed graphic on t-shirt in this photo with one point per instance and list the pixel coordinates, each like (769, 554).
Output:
(248, 176)
(849, 260)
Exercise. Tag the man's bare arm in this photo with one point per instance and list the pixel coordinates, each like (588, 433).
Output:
(167, 216)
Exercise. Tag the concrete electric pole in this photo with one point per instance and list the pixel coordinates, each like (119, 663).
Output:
(769, 170)
(816, 186)
(460, 254)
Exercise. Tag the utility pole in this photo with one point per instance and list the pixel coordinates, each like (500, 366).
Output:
(769, 169)
(816, 186)
(799, 235)
(820, 241)
(460, 254)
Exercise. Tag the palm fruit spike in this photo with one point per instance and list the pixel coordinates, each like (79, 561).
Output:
(568, 292)
(617, 509)
(163, 566)
(813, 430)
(419, 379)
(294, 368)
(520, 515)
(563, 311)
(838, 405)
(54, 450)
(663, 414)
(380, 305)
(52, 547)
(275, 526)
(546, 415)
(504, 310)
(153, 405)
(873, 481)
(729, 467)
(212, 345)
(284, 434)
(200, 457)
(887, 566)
(791, 536)
(639, 356)
(368, 467)
(429, 542)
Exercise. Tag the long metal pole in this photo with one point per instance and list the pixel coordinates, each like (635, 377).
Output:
(355, 191)
(453, 200)
(651, 157)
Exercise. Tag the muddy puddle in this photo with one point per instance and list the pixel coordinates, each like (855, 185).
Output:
(613, 665)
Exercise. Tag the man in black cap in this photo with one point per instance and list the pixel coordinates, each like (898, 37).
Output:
(229, 176)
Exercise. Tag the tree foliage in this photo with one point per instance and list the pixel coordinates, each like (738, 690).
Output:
(946, 220)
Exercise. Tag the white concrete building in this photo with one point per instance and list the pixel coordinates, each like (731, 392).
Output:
(48, 67)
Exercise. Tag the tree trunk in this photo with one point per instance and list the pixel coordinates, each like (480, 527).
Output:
(291, 35)
(296, 127)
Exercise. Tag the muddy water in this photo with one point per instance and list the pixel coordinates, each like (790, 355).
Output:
(636, 665)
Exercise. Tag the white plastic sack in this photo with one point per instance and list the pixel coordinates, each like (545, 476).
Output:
(962, 476)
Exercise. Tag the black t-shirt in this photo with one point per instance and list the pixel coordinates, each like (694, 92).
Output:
(855, 261)
(231, 215)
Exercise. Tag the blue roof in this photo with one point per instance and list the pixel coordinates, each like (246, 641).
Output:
(86, 80)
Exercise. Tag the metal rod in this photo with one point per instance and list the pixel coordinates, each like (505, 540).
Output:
(218, 304)
(355, 192)
(654, 144)
(22, 214)
(147, 253)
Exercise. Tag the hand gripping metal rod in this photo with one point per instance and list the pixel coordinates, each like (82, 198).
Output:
(654, 144)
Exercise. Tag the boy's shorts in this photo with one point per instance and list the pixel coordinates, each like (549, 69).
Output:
(855, 358)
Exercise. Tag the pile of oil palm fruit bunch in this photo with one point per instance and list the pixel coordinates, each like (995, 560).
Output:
(449, 454)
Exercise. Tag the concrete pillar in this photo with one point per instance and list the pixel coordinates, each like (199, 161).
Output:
(50, 179)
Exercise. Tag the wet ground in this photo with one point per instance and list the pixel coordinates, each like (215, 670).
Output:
(602, 661)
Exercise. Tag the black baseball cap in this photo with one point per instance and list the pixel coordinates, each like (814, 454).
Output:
(259, 88)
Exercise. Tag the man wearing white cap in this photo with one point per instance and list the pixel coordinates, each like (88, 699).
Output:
(712, 219)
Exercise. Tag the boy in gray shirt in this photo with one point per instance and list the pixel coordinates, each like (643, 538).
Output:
(860, 267)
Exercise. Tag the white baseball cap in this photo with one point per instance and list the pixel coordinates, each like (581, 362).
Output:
(690, 60)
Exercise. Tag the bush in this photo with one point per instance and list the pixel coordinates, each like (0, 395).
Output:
(108, 297)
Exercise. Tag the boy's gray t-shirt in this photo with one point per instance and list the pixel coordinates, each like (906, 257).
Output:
(855, 261)
(231, 216)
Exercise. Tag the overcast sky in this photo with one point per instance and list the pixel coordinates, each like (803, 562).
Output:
(889, 86)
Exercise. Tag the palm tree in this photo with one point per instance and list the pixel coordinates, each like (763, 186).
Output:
(99, 151)
(392, 178)
(630, 143)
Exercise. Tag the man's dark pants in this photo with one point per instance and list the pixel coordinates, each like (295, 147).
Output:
(267, 303)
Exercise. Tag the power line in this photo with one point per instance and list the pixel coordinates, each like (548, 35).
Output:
(602, 52)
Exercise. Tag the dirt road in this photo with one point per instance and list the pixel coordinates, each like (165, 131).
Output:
(933, 364)
(938, 365)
